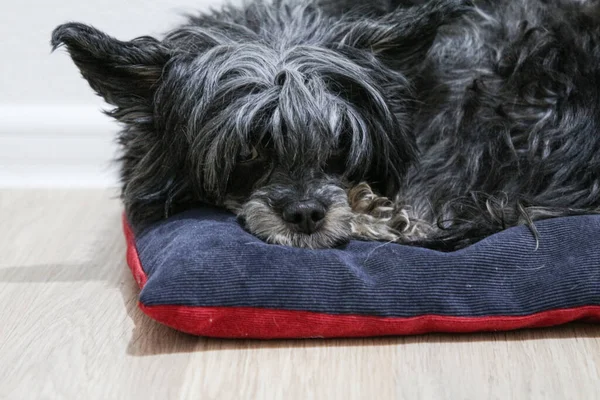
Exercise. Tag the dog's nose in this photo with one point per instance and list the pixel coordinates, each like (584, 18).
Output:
(307, 216)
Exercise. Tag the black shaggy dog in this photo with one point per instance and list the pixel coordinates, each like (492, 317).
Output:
(433, 123)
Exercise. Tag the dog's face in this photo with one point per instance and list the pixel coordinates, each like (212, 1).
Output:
(275, 112)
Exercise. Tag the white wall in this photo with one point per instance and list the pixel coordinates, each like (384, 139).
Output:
(51, 130)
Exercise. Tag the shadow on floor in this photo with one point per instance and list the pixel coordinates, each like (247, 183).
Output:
(159, 339)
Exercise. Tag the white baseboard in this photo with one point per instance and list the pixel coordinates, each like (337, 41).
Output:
(56, 146)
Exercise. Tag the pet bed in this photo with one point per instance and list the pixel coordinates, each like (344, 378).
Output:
(200, 272)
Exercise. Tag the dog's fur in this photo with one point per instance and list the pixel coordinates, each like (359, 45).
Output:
(469, 118)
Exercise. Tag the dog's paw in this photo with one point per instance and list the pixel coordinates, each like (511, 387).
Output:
(364, 201)
(372, 215)
(366, 227)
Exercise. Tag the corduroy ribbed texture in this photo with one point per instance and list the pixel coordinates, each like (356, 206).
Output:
(203, 258)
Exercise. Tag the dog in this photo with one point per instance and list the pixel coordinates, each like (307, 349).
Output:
(430, 123)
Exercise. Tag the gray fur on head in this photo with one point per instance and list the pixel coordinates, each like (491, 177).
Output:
(316, 122)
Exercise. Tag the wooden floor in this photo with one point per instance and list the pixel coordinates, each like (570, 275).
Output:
(70, 329)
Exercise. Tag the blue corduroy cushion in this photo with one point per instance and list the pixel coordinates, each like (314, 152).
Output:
(203, 261)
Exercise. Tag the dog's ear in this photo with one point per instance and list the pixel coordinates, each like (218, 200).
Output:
(124, 73)
(405, 35)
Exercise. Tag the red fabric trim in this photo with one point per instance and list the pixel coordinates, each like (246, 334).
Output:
(133, 259)
(257, 323)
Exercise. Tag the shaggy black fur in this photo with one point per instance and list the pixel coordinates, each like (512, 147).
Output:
(469, 118)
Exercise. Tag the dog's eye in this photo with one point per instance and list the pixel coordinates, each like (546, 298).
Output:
(336, 162)
(252, 155)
